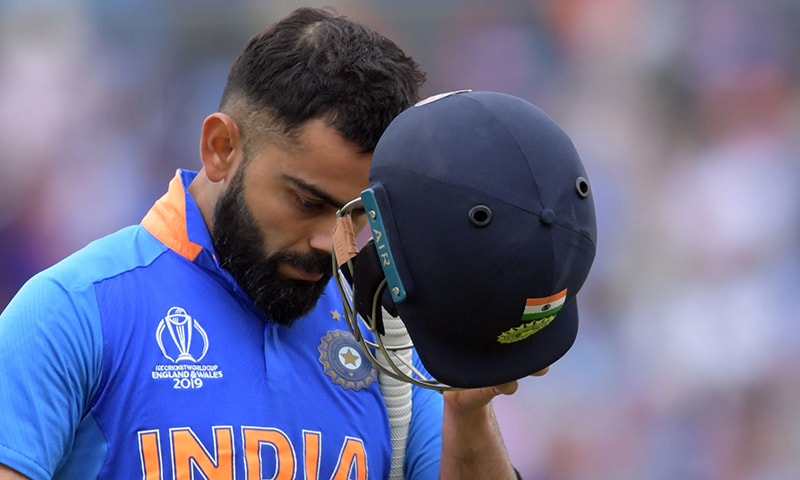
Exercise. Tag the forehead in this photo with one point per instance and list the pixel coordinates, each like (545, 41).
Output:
(317, 155)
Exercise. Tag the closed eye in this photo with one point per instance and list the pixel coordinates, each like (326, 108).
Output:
(310, 197)
(309, 204)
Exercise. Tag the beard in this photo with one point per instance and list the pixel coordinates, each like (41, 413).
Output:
(240, 247)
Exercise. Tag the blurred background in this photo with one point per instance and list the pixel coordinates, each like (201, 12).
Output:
(685, 112)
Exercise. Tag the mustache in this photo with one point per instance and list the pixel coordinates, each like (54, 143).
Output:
(314, 262)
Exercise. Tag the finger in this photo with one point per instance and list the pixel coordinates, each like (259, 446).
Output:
(541, 372)
(506, 388)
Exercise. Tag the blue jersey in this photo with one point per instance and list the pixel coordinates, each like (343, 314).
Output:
(139, 357)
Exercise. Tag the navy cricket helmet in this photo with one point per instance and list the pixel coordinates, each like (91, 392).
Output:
(482, 232)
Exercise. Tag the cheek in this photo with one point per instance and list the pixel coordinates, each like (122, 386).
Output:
(279, 227)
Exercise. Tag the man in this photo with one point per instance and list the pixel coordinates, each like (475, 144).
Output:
(207, 341)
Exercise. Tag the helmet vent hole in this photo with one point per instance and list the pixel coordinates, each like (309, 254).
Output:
(480, 215)
(582, 186)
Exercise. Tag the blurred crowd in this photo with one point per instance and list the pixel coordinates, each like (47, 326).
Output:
(685, 112)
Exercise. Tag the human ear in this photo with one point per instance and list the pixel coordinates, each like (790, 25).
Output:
(220, 146)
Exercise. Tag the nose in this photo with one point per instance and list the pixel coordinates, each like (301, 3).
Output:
(322, 234)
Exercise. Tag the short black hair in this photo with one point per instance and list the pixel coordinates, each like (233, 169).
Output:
(317, 64)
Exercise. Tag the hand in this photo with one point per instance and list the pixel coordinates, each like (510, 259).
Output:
(473, 399)
(472, 446)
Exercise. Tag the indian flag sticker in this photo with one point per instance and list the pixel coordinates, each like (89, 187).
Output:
(536, 308)
(538, 313)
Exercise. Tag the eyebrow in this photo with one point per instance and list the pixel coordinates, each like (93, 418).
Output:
(314, 190)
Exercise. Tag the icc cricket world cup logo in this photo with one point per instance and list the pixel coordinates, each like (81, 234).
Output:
(189, 341)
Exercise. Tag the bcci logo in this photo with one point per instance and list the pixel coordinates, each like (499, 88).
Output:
(180, 337)
(343, 361)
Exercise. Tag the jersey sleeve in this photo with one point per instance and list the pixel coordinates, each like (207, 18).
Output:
(424, 447)
(50, 359)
